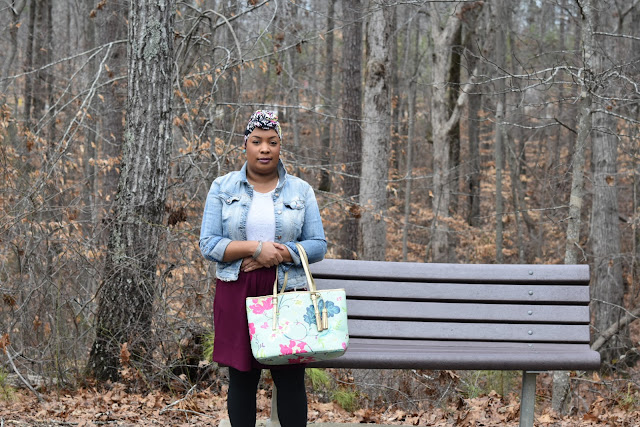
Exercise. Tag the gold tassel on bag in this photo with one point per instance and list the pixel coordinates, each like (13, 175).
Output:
(325, 318)
(314, 299)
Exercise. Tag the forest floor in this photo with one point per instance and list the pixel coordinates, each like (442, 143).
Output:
(597, 402)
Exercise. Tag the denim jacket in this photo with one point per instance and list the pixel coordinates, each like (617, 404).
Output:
(297, 220)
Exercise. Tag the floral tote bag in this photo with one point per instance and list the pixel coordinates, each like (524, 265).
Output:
(298, 327)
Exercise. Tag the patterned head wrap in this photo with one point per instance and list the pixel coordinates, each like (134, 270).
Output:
(263, 119)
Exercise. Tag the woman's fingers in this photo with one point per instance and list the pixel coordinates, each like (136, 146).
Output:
(271, 255)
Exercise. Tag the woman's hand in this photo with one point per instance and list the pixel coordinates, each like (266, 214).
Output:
(272, 254)
(269, 255)
(250, 264)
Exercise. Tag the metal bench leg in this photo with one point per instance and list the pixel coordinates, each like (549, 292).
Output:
(274, 421)
(528, 399)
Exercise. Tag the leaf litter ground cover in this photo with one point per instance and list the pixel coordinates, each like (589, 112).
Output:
(597, 402)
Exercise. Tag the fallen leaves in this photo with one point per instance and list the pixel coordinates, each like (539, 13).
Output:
(116, 404)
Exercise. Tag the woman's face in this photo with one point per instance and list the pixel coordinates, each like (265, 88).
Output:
(263, 151)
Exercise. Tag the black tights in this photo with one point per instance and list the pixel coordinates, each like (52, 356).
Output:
(292, 397)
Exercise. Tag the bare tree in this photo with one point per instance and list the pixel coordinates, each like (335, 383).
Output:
(608, 288)
(351, 130)
(15, 7)
(499, 135)
(473, 132)
(325, 132)
(129, 290)
(576, 199)
(411, 107)
(376, 134)
(111, 23)
(445, 116)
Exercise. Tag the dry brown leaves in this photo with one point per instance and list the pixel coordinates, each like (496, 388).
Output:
(116, 405)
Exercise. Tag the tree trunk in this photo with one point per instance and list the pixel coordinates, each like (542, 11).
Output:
(42, 54)
(291, 36)
(111, 23)
(351, 127)
(443, 120)
(328, 110)
(407, 189)
(454, 134)
(28, 63)
(376, 134)
(17, 6)
(127, 294)
(230, 90)
(607, 289)
(561, 384)
(499, 128)
(391, 14)
(38, 54)
(473, 135)
(411, 101)
(635, 265)
(442, 40)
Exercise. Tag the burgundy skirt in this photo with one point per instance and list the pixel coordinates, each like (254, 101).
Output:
(231, 345)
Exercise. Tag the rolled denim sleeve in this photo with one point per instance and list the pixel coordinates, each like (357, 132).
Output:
(212, 241)
(312, 237)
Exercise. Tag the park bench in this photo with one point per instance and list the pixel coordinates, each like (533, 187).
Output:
(530, 318)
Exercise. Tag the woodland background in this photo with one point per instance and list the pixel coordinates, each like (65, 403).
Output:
(432, 131)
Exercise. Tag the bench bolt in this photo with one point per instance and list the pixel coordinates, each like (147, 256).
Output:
(530, 272)
(530, 332)
(530, 292)
(530, 312)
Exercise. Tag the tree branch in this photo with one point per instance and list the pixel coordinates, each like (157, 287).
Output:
(15, 369)
(627, 319)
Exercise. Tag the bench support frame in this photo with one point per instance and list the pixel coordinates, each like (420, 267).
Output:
(527, 402)
(528, 398)
(274, 421)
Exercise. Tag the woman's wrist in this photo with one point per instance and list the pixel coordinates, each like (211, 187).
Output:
(258, 250)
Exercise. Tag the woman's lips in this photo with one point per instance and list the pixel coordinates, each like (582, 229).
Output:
(264, 160)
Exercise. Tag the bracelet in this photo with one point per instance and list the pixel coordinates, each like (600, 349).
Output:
(256, 254)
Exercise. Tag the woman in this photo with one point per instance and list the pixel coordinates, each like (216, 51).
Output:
(252, 219)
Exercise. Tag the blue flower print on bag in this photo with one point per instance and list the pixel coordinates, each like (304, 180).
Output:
(310, 316)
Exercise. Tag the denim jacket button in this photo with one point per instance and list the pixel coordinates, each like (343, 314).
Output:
(279, 212)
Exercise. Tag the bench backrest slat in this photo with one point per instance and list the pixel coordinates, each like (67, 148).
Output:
(463, 273)
(469, 331)
(426, 291)
(465, 312)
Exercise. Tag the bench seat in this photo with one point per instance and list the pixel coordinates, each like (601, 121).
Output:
(476, 355)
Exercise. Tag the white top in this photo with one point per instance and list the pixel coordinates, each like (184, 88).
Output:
(261, 219)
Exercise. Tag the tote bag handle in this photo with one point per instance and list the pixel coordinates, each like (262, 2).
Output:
(322, 319)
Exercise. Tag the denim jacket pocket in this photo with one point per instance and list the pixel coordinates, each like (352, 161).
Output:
(294, 211)
(231, 212)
